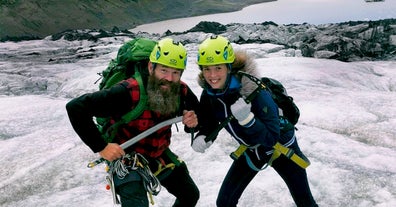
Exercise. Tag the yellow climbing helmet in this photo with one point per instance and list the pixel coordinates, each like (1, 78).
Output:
(169, 53)
(215, 50)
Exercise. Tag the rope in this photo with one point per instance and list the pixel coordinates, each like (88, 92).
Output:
(119, 168)
(150, 181)
(138, 163)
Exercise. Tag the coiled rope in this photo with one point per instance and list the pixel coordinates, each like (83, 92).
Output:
(138, 163)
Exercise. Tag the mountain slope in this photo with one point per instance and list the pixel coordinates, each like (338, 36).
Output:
(44, 17)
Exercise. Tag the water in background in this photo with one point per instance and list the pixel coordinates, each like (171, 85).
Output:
(286, 12)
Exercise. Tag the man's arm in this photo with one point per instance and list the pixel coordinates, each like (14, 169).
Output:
(81, 111)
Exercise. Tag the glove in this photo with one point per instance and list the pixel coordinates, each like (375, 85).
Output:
(200, 145)
(241, 111)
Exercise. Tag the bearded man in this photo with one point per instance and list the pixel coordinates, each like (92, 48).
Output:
(168, 97)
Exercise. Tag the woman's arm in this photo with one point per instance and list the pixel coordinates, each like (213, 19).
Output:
(265, 130)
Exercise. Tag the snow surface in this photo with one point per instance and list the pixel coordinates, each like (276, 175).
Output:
(347, 129)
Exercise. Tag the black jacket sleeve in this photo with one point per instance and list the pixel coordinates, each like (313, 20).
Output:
(189, 102)
(114, 102)
(206, 116)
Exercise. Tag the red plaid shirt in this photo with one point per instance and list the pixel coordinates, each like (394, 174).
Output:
(155, 144)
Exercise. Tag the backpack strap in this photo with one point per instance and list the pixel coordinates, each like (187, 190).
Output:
(258, 82)
(263, 85)
(137, 111)
(131, 115)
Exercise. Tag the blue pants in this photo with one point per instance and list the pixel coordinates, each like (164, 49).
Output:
(178, 182)
(240, 174)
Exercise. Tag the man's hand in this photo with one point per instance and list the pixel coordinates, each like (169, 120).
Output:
(190, 119)
(112, 152)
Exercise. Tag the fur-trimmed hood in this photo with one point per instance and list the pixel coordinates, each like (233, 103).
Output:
(244, 63)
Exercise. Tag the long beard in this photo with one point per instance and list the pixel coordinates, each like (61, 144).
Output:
(163, 101)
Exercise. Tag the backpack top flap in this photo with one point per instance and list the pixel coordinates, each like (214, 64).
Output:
(132, 56)
(135, 50)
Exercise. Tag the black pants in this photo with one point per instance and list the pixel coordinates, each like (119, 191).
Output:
(240, 175)
(178, 182)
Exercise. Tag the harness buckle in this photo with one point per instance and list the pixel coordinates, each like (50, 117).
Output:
(238, 152)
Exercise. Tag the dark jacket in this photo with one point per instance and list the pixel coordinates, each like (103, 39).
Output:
(265, 131)
(115, 102)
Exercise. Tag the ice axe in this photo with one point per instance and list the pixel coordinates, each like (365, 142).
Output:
(139, 137)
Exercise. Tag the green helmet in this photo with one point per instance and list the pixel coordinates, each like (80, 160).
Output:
(169, 53)
(215, 50)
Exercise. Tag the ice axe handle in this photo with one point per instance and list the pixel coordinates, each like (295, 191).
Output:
(140, 137)
(96, 162)
(212, 136)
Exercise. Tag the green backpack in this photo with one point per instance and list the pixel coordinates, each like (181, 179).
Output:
(131, 61)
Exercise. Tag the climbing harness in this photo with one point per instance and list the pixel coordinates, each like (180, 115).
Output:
(278, 150)
(166, 164)
(136, 162)
(136, 166)
(238, 152)
(133, 162)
